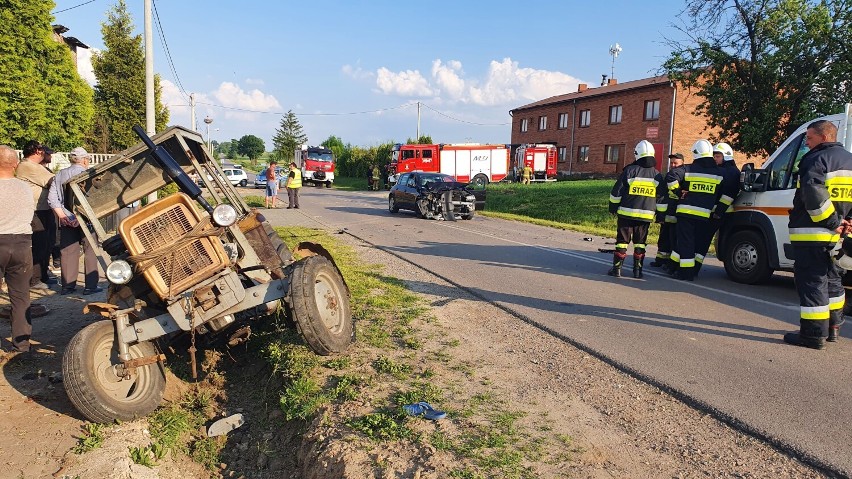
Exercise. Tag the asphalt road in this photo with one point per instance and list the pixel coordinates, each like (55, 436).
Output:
(715, 343)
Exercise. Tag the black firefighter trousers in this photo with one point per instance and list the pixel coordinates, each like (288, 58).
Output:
(821, 293)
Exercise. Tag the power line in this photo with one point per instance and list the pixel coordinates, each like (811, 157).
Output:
(304, 114)
(72, 8)
(463, 121)
(168, 53)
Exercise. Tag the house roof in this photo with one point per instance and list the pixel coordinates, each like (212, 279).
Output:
(602, 90)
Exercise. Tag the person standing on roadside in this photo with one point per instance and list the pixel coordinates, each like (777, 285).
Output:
(634, 200)
(271, 184)
(70, 230)
(666, 217)
(723, 155)
(820, 214)
(294, 183)
(700, 193)
(526, 174)
(376, 177)
(43, 221)
(16, 257)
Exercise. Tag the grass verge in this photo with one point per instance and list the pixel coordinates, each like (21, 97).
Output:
(581, 205)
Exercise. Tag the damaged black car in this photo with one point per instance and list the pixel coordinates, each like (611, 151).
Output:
(435, 196)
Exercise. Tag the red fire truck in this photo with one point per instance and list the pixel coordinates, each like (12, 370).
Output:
(468, 162)
(316, 163)
(540, 157)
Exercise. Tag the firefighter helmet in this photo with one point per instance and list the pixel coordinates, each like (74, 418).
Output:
(643, 148)
(842, 253)
(702, 149)
(726, 151)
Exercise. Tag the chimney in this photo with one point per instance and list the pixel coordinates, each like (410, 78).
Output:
(582, 87)
(611, 81)
(603, 80)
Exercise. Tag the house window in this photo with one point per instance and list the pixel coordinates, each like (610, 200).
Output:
(583, 153)
(542, 123)
(585, 118)
(613, 153)
(563, 154)
(563, 121)
(615, 114)
(652, 110)
(525, 125)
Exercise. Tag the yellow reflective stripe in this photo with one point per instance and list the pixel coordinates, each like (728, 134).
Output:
(661, 207)
(824, 211)
(639, 245)
(726, 200)
(814, 235)
(699, 258)
(693, 210)
(614, 199)
(687, 263)
(634, 213)
(673, 185)
(671, 219)
(621, 245)
(662, 255)
(836, 303)
(703, 178)
(675, 256)
(648, 181)
(815, 312)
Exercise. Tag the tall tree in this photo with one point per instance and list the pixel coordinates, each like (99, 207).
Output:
(423, 140)
(251, 146)
(120, 92)
(288, 136)
(763, 67)
(41, 95)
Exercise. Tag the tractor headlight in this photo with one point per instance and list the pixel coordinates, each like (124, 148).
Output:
(224, 215)
(119, 272)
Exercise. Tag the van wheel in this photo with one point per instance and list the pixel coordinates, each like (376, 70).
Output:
(319, 301)
(94, 382)
(746, 259)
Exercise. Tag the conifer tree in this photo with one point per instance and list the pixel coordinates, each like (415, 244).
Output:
(288, 136)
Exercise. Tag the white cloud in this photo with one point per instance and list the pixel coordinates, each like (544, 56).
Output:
(84, 64)
(357, 72)
(405, 83)
(231, 95)
(255, 81)
(505, 83)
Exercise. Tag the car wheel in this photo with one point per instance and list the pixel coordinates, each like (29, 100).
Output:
(392, 206)
(422, 208)
(243, 183)
(746, 259)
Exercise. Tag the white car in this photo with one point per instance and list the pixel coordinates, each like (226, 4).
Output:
(236, 176)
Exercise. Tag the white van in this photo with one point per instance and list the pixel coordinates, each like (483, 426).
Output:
(754, 240)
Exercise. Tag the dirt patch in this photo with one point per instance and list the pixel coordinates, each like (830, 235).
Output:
(579, 416)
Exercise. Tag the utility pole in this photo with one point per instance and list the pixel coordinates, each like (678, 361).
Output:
(192, 112)
(150, 120)
(417, 139)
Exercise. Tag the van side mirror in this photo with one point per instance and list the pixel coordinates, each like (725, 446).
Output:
(752, 179)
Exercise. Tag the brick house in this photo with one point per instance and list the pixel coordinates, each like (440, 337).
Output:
(596, 129)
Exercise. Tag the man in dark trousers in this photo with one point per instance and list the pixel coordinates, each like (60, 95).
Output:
(16, 259)
(44, 222)
(723, 155)
(666, 217)
(821, 205)
(634, 200)
(700, 193)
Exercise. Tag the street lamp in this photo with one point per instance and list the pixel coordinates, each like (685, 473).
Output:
(208, 121)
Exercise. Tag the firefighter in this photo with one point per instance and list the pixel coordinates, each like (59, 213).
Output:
(666, 214)
(723, 155)
(700, 193)
(526, 174)
(376, 177)
(822, 206)
(634, 200)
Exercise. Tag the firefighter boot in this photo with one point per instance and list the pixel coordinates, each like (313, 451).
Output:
(797, 339)
(833, 334)
(637, 265)
(617, 261)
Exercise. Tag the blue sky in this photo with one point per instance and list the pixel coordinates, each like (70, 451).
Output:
(468, 62)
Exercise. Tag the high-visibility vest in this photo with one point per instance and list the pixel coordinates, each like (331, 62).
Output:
(296, 180)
